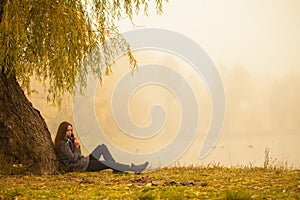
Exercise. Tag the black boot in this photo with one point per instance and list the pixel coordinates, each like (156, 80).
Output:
(138, 168)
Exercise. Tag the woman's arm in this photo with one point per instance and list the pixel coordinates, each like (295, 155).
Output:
(72, 157)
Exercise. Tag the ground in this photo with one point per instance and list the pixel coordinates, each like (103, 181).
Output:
(168, 183)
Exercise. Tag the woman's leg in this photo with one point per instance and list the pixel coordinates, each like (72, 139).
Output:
(109, 162)
(116, 167)
(122, 167)
(102, 150)
(97, 165)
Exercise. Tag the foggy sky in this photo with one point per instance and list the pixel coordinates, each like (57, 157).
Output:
(255, 45)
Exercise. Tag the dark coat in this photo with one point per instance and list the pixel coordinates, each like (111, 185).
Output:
(74, 161)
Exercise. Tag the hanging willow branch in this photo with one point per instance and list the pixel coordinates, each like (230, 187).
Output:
(50, 39)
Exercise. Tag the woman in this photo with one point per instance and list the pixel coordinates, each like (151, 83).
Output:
(68, 149)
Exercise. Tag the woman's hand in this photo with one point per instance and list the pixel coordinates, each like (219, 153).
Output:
(76, 142)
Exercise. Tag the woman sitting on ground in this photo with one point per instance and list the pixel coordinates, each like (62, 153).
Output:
(68, 149)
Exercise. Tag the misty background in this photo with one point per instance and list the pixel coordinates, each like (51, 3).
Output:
(255, 46)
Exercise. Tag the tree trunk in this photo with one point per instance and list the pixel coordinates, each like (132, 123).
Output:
(25, 141)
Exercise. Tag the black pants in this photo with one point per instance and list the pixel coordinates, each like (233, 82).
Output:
(95, 164)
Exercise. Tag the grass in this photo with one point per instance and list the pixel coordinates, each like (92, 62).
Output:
(167, 183)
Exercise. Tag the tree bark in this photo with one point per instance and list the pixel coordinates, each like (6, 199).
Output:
(25, 141)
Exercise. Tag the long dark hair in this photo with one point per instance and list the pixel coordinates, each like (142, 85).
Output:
(61, 134)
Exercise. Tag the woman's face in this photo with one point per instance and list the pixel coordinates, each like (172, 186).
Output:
(69, 130)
